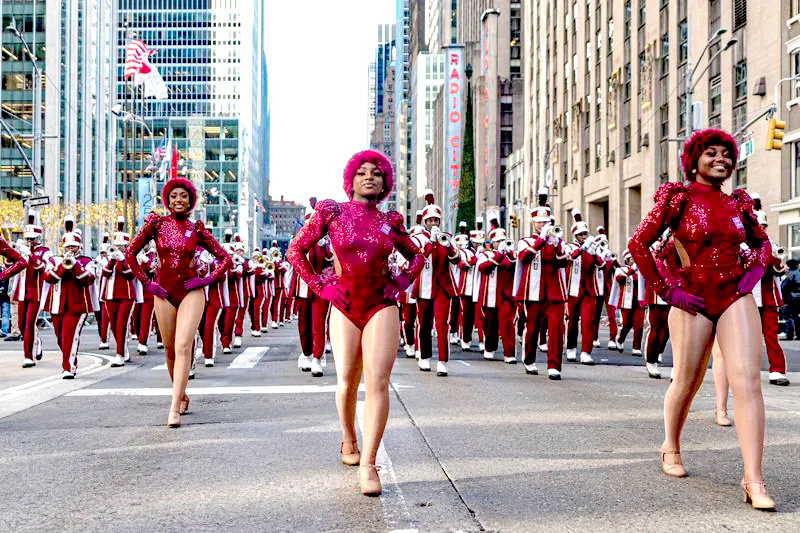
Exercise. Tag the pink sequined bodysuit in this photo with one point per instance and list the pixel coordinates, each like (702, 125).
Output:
(176, 240)
(362, 238)
(709, 226)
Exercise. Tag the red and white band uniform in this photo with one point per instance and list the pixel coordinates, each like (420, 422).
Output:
(119, 294)
(433, 290)
(408, 305)
(217, 299)
(609, 268)
(628, 295)
(29, 293)
(69, 302)
(582, 291)
(279, 296)
(657, 317)
(600, 300)
(257, 292)
(466, 288)
(540, 284)
(476, 300)
(235, 300)
(312, 310)
(144, 321)
(497, 300)
(768, 298)
(101, 262)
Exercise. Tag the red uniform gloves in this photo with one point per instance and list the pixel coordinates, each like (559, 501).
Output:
(155, 289)
(336, 295)
(750, 278)
(196, 283)
(396, 286)
(677, 297)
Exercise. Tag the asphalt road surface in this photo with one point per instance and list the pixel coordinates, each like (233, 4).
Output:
(486, 448)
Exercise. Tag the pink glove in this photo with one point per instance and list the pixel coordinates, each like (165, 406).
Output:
(155, 289)
(750, 278)
(395, 287)
(196, 283)
(336, 295)
(677, 297)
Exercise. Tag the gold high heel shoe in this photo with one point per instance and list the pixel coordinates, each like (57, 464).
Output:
(352, 458)
(759, 500)
(368, 480)
(174, 419)
(673, 470)
(721, 418)
(184, 405)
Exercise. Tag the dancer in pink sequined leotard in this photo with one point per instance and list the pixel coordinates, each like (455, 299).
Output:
(364, 324)
(179, 303)
(709, 292)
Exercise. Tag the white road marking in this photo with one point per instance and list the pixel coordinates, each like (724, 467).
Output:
(160, 367)
(249, 358)
(217, 391)
(463, 362)
(43, 383)
(395, 510)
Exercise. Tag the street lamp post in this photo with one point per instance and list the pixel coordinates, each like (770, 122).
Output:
(690, 69)
(37, 105)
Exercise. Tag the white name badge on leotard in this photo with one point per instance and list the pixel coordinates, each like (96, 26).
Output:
(188, 233)
(737, 222)
(386, 229)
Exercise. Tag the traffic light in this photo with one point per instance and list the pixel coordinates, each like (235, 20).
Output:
(514, 221)
(775, 134)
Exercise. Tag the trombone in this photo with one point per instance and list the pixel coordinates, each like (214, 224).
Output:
(269, 267)
(557, 232)
(276, 255)
(444, 239)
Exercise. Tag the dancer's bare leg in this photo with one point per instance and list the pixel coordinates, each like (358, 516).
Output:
(165, 318)
(188, 319)
(346, 347)
(719, 372)
(379, 346)
(692, 337)
(739, 334)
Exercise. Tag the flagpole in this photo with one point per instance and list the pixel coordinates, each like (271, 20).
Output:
(141, 162)
(125, 149)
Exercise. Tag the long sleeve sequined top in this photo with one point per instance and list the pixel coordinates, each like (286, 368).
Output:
(15, 262)
(362, 238)
(176, 240)
(709, 226)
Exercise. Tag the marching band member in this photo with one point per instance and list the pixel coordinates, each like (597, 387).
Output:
(235, 297)
(433, 289)
(279, 294)
(480, 249)
(14, 263)
(312, 309)
(217, 300)
(258, 291)
(364, 322)
(30, 290)
(657, 311)
(244, 275)
(460, 241)
(119, 293)
(768, 299)
(581, 289)
(710, 296)
(628, 295)
(69, 299)
(602, 248)
(144, 319)
(101, 316)
(497, 280)
(468, 261)
(540, 285)
(611, 266)
(408, 305)
(178, 304)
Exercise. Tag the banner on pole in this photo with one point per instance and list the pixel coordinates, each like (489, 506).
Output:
(146, 193)
(453, 125)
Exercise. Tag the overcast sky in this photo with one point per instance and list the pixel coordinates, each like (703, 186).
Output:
(318, 52)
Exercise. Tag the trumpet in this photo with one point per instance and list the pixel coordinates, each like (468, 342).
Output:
(557, 232)
(613, 256)
(237, 259)
(262, 261)
(444, 239)
(508, 244)
(269, 267)
(276, 255)
(69, 261)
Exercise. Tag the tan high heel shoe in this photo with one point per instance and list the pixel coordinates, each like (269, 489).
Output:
(184, 405)
(721, 418)
(759, 500)
(174, 419)
(672, 470)
(352, 458)
(368, 480)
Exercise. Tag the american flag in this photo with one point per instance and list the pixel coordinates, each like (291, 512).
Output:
(134, 55)
(161, 150)
(259, 205)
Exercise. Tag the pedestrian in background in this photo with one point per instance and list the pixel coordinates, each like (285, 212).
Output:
(790, 290)
(5, 308)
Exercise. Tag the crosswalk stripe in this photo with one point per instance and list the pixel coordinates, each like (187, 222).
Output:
(217, 391)
(249, 358)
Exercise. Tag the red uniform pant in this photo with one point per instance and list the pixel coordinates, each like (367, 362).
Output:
(467, 318)
(498, 325)
(103, 324)
(208, 329)
(256, 305)
(68, 328)
(522, 319)
(119, 317)
(407, 318)
(266, 307)
(145, 321)
(227, 322)
(240, 314)
(598, 312)
(551, 315)
(312, 315)
(611, 313)
(769, 328)
(31, 343)
(657, 316)
(430, 314)
(581, 308)
(455, 312)
(278, 301)
(479, 321)
(632, 319)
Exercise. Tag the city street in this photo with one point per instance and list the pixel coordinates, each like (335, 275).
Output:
(487, 448)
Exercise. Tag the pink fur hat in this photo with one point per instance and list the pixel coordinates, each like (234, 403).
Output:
(376, 158)
(182, 183)
(700, 141)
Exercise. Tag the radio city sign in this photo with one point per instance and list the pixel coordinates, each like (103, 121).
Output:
(454, 116)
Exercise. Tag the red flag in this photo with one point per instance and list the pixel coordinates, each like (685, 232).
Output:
(173, 166)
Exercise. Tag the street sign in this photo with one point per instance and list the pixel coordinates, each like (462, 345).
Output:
(39, 200)
(746, 150)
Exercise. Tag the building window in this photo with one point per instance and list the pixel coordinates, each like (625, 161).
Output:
(795, 66)
(795, 185)
(740, 178)
(740, 89)
(739, 14)
(715, 107)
